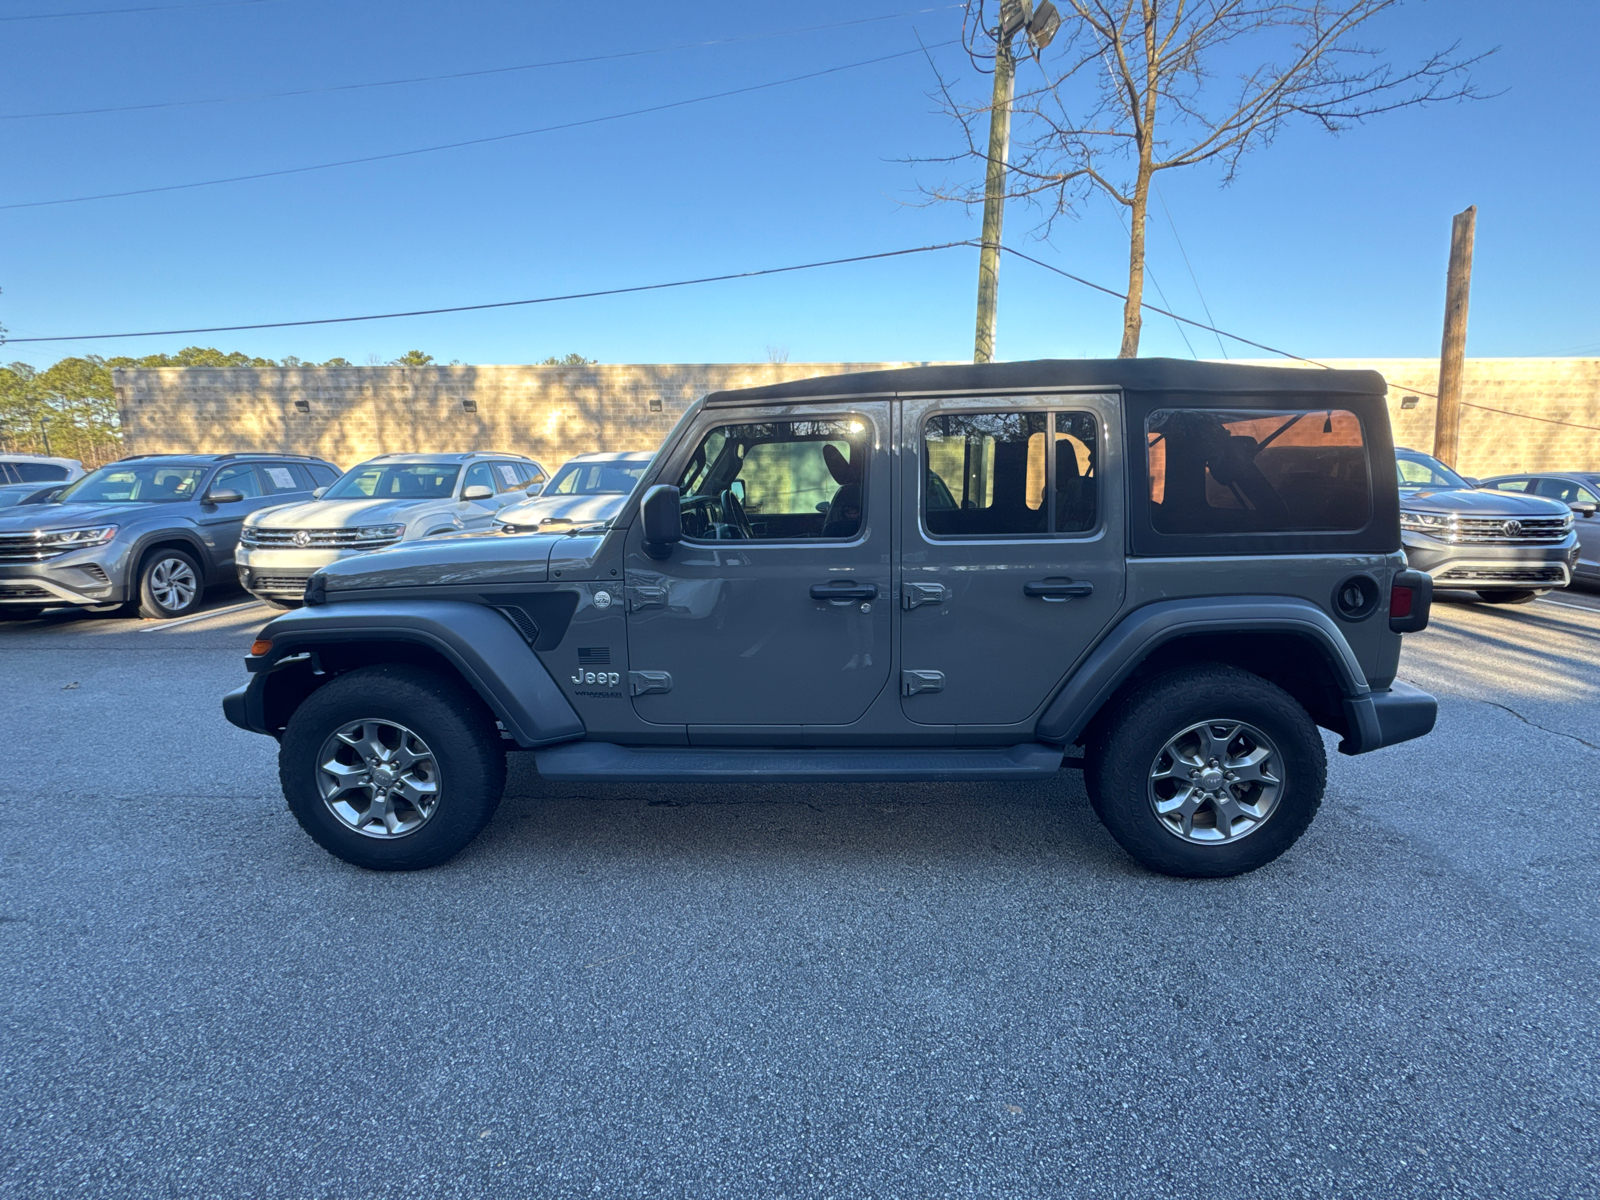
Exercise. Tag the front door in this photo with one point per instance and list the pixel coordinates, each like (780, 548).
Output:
(1013, 552)
(775, 609)
(220, 523)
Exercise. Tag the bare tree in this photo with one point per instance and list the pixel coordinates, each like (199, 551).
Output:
(1134, 87)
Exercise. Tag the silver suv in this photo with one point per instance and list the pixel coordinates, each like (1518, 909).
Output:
(389, 499)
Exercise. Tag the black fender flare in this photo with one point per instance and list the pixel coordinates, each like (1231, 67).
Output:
(1144, 629)
(189, 538)
(480, 643)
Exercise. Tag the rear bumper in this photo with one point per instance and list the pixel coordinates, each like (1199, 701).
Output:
(1385, 718)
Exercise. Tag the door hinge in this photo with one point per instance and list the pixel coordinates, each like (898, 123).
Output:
(913, 594)
(642, 683)
(646, 597)
(912, 682)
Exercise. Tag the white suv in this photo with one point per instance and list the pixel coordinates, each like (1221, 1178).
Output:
(389, 499)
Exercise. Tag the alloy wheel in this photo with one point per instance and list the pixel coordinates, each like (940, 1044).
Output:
(1215, 782)
(173, 584)
(378, 778)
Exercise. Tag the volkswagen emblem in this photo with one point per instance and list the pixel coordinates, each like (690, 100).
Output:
(1511, 528)
(302, 537)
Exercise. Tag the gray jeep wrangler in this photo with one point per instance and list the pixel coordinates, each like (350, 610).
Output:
(1168, 574)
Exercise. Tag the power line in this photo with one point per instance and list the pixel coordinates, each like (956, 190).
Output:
(1195, 279)
(483, 141)
(429, 312)
(534, 66)
(147, 8)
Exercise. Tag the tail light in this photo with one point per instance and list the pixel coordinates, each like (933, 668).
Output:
(1410, 601)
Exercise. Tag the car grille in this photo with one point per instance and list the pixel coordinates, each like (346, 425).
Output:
(279, 583)
(26, 548)
(24, 593)
(1503, 531)
(1551, 574)
(315, 539)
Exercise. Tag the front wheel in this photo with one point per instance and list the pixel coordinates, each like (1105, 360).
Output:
(1508, 595)
(1207, 771)
(170, 584)
(392, 767)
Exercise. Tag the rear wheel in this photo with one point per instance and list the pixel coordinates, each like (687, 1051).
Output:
(1508, 595)
(170, 584)
(1207, 771)
(392, 767)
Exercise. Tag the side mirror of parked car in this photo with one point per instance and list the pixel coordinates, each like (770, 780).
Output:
(223, 496)
(663, 520)
(1473, 482)
(477, 492)
(316, 493)
(1584, 509)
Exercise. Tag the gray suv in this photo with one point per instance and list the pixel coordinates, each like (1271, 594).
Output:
(151, 530)
(1166, 574)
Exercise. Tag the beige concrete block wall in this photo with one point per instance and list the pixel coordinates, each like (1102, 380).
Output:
(353, 413)
(552, 413)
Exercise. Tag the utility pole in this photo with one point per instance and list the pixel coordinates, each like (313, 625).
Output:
(1453, 351)
(994, 199)
(1040, 25)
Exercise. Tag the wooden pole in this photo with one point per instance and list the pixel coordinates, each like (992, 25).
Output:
(994, 202)
(1453, 351)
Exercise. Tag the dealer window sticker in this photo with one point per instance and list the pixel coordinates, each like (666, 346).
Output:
(282, 478)
(508, 473)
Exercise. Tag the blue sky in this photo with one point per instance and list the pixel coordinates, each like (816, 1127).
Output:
(1327, 246)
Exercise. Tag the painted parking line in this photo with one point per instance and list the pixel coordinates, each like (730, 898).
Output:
(205, 616)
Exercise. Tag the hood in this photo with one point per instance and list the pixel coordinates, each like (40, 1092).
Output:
(454, 560)
(75, 516)
(1480, 503)
(340, 514)
(580, 510)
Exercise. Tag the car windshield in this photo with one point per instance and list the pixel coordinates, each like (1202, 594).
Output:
(595, 479)
(396, 481)
(147, 482)
(1424, 471)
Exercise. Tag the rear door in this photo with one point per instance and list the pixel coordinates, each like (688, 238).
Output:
(1013, 556)
(775, 609)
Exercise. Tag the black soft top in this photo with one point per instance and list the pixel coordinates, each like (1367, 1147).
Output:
(1126, 374)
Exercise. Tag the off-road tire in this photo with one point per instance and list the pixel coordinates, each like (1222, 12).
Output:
(1508, 595)
(150, 603)
(455, 724)
(1125, 744)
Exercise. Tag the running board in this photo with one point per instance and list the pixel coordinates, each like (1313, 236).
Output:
(602, 762)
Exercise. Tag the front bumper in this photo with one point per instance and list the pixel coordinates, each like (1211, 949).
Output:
(1384, 718)
(80, 579)
(282, 573)
(1468, 566)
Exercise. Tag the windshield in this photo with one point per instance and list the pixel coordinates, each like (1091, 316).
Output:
(1424, 471)
(149, 483)
(595, 479)
(396, 481)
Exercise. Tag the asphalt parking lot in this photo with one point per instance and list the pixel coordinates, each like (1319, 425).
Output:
(847, 991)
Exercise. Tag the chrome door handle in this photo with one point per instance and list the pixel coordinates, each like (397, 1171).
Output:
(1057, 590)
(844, 590)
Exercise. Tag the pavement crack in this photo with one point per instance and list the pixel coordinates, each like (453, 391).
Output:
(1558, 732)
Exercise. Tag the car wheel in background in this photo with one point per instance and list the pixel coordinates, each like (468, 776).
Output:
(1206, 771)
(1508, 595)
(170, 584)
(392, 767)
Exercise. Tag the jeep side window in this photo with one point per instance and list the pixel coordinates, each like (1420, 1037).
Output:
(777, 480)
(1256, 471)
(989, 474)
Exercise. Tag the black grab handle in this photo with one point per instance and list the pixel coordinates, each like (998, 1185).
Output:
(844, 591)
(1049, 589)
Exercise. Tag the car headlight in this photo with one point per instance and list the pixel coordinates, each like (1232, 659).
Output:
(374, 533)
(247, 535)
(74, 539)
(1424, 522)
(1569, 521)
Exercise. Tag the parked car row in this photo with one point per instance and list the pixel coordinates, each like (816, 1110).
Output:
(154, 531)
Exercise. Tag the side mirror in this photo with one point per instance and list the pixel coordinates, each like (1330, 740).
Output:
(223, 496)
(477, 492)
(663, 520)
(1471, 482)
(1584, 509)
(316, 493)
(533, 489)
